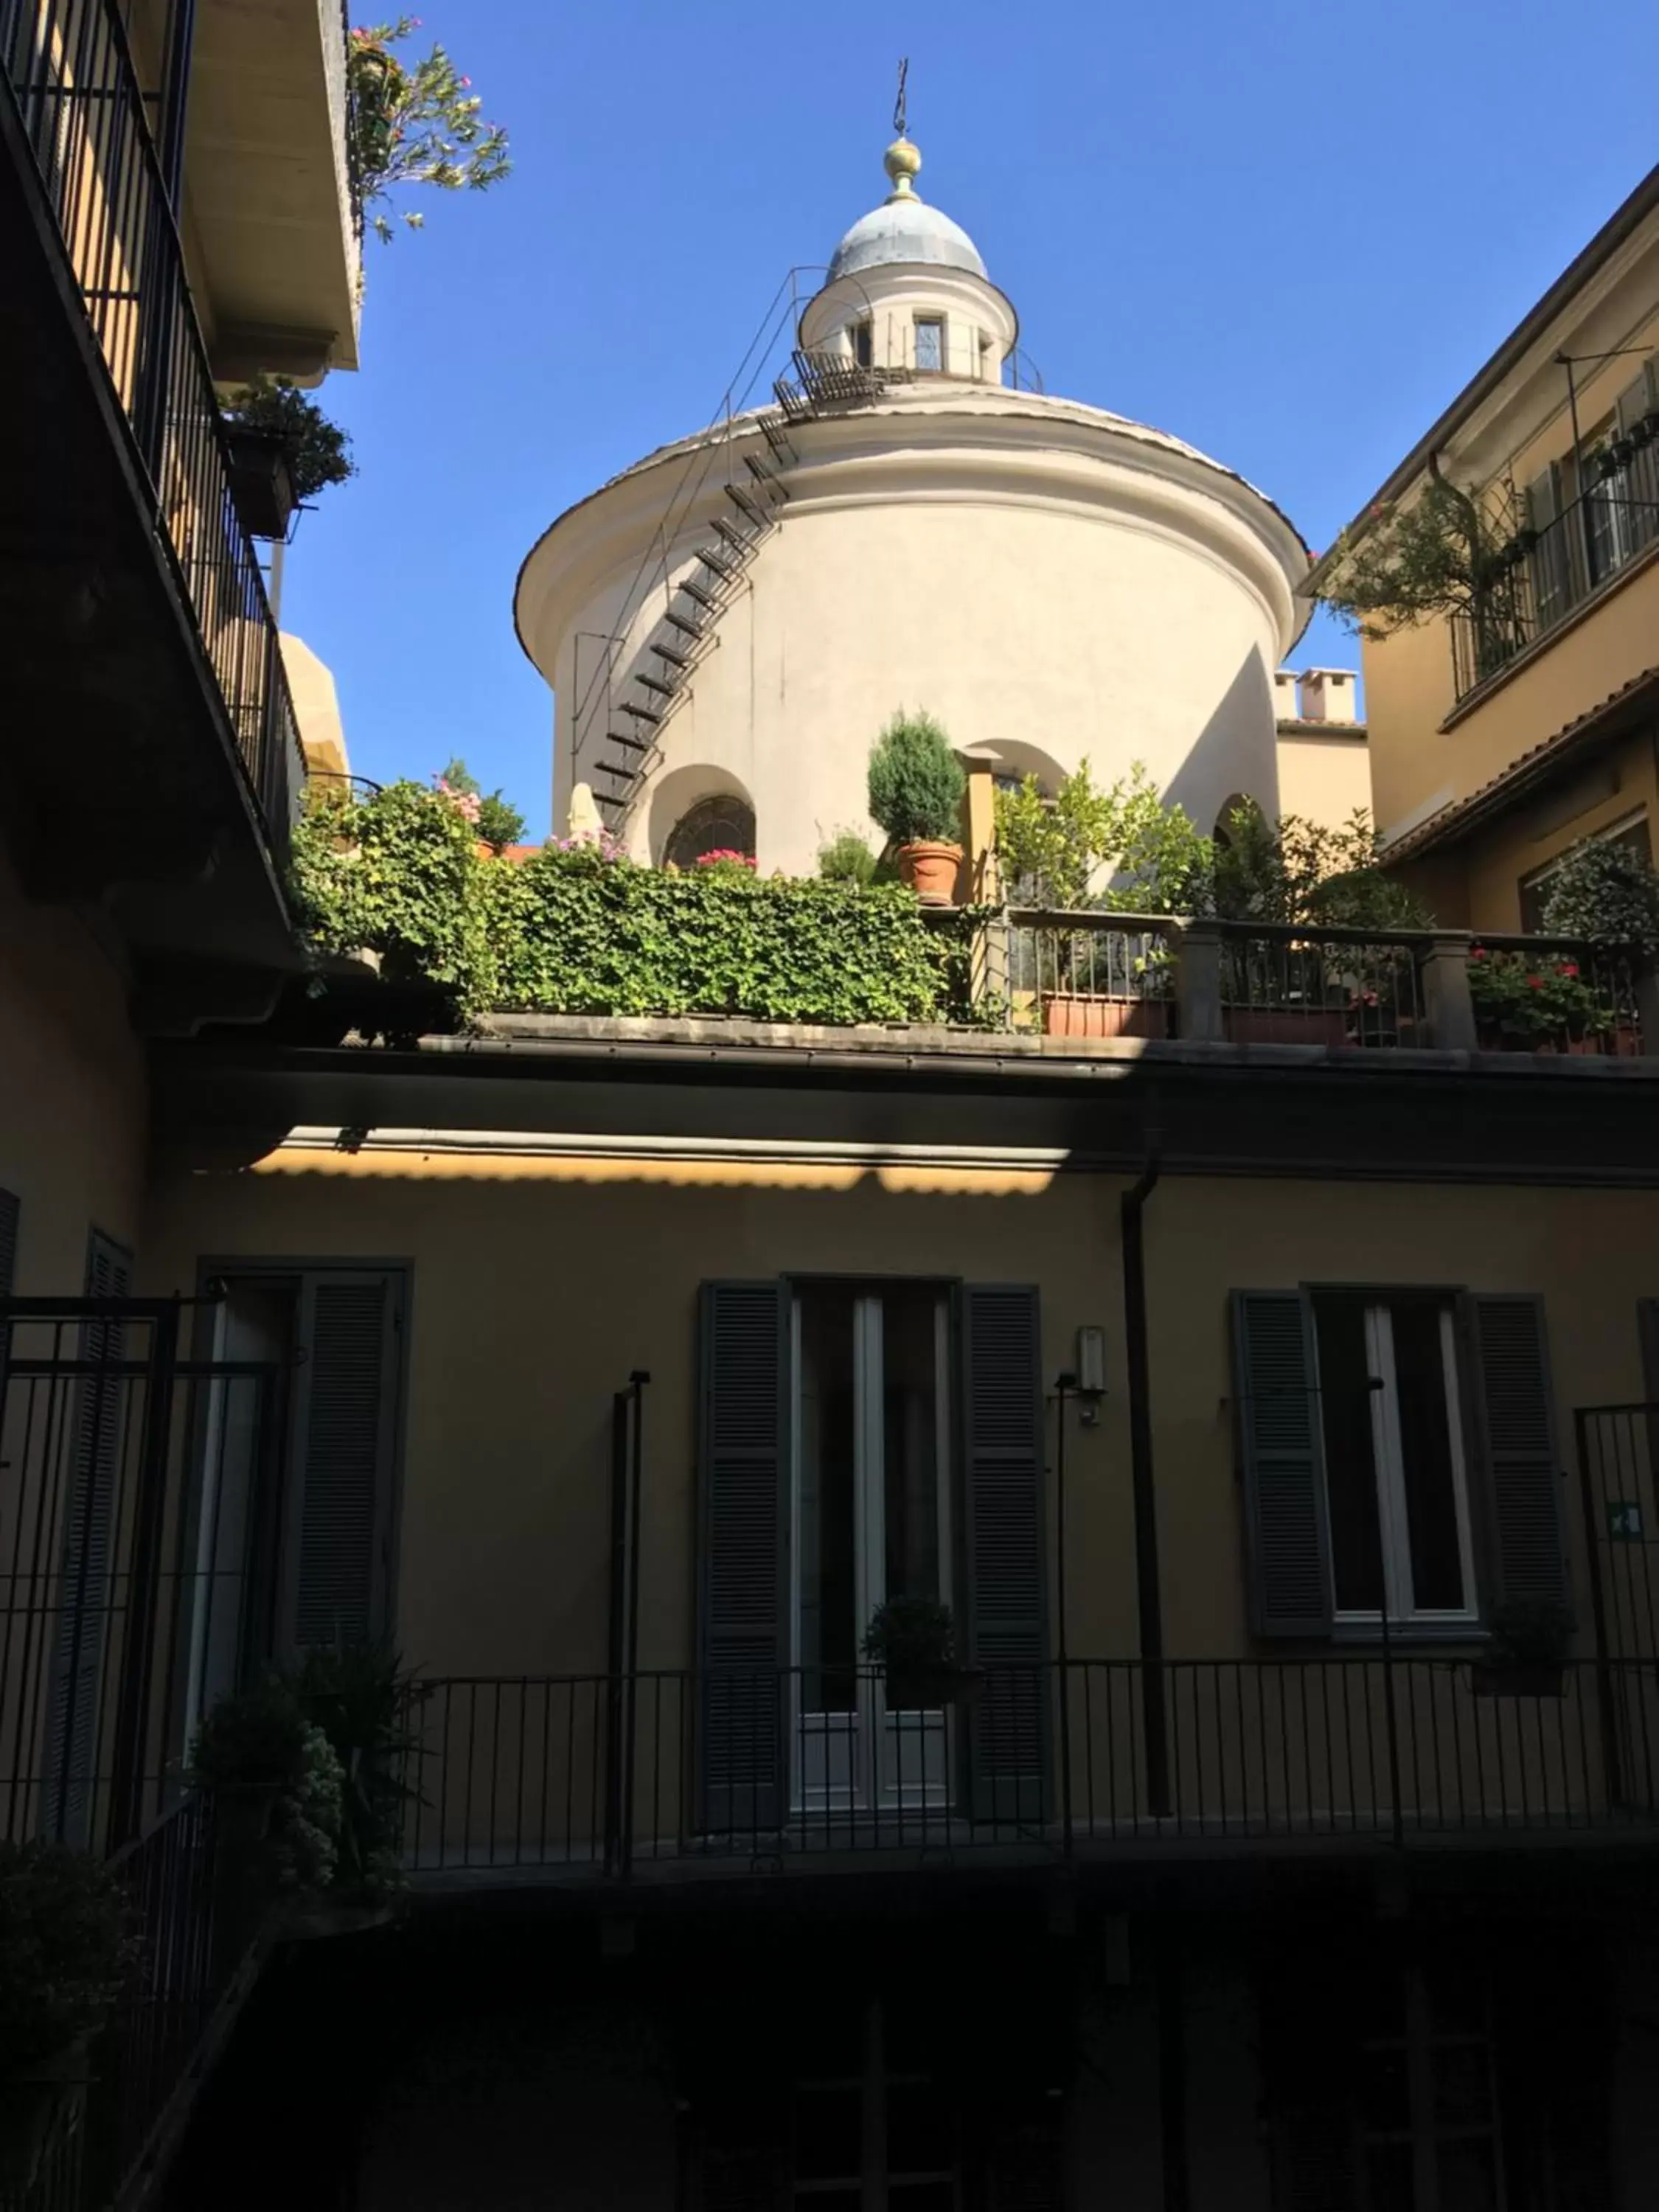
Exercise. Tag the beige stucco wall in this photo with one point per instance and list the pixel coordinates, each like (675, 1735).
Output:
(1039, 576)
(74, 1107)
(1324, 778)
(316, 708)
(534, 1294)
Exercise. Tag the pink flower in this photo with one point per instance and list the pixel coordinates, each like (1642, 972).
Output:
(726, 857)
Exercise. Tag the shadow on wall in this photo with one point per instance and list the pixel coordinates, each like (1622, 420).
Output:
(1241, 730)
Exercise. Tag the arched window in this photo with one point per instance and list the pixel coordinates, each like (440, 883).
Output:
(720, 825)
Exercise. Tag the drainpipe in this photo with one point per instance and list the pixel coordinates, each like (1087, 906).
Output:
(1147, 1587)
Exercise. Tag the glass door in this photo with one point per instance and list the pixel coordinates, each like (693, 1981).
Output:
(871, 1522)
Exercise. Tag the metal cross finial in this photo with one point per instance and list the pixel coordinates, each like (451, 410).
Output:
(899, 119)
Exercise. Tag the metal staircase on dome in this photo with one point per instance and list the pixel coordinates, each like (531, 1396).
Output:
(656, 682)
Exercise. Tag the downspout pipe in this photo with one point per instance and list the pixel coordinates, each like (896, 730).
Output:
(1148, 1587)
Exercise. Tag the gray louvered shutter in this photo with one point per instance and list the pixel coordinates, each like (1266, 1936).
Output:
(1515, 1431)
(85, 1593)
(345, 1427)
(742, 1554)
(1632, 403)
(9, 1211)
(999, 1351)
(1282, 1460)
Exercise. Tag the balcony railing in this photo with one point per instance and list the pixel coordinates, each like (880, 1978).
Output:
(589, 1775)
(67, 67)
(1545, 574)
(1086, 974)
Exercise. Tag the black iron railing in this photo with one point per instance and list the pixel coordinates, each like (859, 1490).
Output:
(68, 69)
(1539, 579)
(1283, 984)
(1078, 974)
(515, 1772)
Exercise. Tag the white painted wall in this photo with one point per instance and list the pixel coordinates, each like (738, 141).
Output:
(1041, 576)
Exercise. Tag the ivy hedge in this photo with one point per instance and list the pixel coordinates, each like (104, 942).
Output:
(578, 930)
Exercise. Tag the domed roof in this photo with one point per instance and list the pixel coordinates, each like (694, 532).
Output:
(904, 227)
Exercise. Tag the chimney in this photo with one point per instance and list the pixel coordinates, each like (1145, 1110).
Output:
(1285, 707)
(1327, 695)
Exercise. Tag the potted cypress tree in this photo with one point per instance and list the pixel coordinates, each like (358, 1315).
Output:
(916, 785)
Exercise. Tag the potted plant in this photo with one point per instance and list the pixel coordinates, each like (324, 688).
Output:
(283, 450)
(64, 1946)
(277, 1787)
(914, 1642)
(362, 1698)
(1527, 1004)
(916, 786)
(1528, 1652)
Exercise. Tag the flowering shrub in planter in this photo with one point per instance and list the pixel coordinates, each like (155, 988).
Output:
(1535, 1001)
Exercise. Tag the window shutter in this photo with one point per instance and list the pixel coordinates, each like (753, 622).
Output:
(1282, 1460)
(1544, 497)
(1632, 403)
(1515, 1432)
(742, 1554)
(999, 1336)
(86, 1592)
(9, 1210)
(345, 1423)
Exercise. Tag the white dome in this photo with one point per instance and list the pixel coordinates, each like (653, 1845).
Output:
(905, 228)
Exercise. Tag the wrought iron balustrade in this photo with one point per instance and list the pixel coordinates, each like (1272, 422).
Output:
(517, 1773)
(68, 70)
(1544, 573)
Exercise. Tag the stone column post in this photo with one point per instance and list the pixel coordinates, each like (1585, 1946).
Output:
(1197, 949)
(1447, 1004)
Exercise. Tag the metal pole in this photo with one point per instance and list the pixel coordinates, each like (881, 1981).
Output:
(636, 1383)
(1566, 362)
(1147, 1582)
(1063, 1383)
(1610, 1759)
(617, 1636)
(127, 1793)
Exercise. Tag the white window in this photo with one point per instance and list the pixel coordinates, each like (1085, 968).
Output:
(930, 343)
(1427, 2107)
(871, 1521)
(1396, 1485)
(1534, 889)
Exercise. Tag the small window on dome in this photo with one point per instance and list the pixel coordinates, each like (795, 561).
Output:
(930, 344)
(985, 353)
(863, 343)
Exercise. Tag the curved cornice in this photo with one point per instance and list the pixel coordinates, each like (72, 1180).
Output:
(969, 443)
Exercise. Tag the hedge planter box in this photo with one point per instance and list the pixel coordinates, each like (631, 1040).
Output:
(1326, 1025)
(927, 1689)
(1493, 1678)
(1080, 1014)
(1621, 1042)
(260, 481)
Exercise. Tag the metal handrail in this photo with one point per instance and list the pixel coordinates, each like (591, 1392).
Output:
(68, 69)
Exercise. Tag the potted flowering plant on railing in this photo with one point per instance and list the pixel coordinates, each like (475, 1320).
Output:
(1527, 1656)
(913, 1640)
(283, 450)
(1524, 1003)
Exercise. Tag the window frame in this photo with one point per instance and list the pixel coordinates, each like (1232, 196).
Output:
(862, 336)
(935, 322)
(1394, 1528)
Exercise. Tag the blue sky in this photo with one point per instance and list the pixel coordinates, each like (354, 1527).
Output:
(1287, 233)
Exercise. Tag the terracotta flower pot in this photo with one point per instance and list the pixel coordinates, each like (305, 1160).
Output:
(1326, 1025)
(929, 867)
(1079, 1014)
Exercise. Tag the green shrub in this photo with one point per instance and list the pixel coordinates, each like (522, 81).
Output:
(63, 1948)
(578, 931)
(1603, 891)
(360, 1697)
(916, 782)
(847, 860)
(318, 451)
(259, 1745)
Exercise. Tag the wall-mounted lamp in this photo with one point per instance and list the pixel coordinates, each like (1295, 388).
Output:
(1091, 1363)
